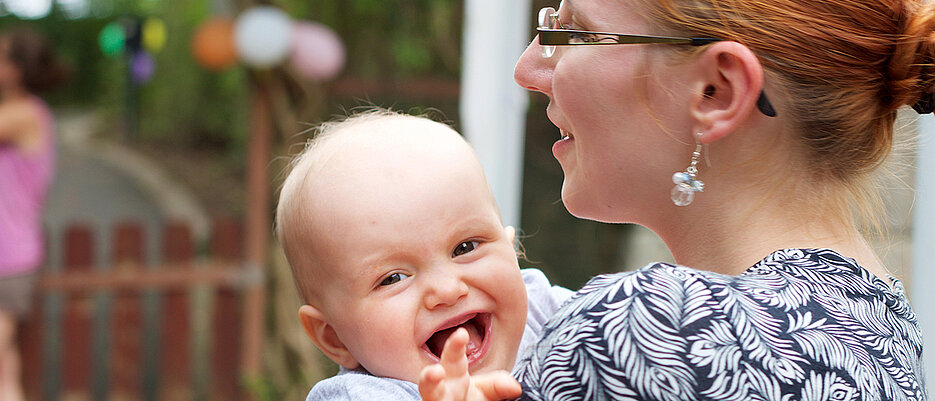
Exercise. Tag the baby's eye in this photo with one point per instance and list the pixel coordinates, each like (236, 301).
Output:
(464, 247)
(394, 278)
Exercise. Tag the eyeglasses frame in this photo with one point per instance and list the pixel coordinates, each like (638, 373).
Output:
(562, 37)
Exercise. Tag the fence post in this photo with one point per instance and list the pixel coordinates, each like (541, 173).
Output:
(127, 332)
(226, 245)
(76, 322)
(176, 325)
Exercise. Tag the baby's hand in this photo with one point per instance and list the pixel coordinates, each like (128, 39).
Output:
(449, 380)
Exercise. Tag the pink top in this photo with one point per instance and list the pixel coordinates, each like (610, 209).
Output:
(24, 182)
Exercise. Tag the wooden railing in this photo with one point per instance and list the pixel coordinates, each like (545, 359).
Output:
(133, 331)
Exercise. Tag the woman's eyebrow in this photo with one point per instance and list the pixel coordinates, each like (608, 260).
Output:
(566, 5)
(577, 18)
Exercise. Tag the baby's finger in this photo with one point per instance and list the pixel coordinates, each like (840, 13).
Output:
(506, 387)
(430, 387)
(454, 355)
(498, 385)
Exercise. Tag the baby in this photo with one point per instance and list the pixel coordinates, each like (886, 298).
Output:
(395, 242)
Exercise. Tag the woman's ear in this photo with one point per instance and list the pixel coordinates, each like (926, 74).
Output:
(324, 337)
(729, 82)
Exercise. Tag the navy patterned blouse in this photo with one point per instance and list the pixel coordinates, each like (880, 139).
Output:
(802, 324)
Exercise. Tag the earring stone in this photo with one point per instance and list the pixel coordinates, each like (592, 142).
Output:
(686, 183)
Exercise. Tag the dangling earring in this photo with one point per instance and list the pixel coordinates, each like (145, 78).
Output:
(685, 183)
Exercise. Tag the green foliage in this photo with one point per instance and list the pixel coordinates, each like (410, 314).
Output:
(187, 105)
(390, 39)
(183, 103)
(410, 54)
(75, 41)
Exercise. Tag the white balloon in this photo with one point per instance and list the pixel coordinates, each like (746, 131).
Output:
(263, 36)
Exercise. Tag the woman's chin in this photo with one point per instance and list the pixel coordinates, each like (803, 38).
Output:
(574, 201)
(581, 205)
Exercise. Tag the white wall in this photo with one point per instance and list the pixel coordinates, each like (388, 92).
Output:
(493, 107)
(923, 237)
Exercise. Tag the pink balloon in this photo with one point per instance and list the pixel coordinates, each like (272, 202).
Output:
(317, 52)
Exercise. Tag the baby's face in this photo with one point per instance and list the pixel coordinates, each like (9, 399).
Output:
(411, 263)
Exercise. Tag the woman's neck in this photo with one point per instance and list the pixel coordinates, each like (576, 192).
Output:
(731, 236)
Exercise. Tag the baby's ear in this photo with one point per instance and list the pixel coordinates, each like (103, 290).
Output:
(324, 337)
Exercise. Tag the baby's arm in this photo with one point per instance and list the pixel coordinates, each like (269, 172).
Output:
(450, 380)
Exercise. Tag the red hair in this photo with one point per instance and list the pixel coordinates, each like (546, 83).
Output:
(844, 66)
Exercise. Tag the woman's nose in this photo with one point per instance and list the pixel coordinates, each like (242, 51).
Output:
(533, 71)
(444, 290)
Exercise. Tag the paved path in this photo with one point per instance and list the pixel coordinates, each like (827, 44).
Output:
(103, 184)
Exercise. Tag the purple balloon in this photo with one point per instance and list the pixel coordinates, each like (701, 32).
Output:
(142, 67)
(317, 52)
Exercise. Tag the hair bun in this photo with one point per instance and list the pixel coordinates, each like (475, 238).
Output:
(920, 31)
(926, 104)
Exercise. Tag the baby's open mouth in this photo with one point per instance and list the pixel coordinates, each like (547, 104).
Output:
(476, 327)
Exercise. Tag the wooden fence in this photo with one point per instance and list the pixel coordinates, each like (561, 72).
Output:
(132, 331)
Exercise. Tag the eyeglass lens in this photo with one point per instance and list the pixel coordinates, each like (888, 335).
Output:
(548, 19)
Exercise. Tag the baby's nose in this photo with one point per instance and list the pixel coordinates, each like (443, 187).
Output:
(444, 290)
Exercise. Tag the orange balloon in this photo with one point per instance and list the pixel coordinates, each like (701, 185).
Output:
(213, 44)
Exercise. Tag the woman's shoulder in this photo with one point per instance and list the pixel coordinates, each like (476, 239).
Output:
(790, 282)
(665, 330)
(657, 278)
(22, 123)
(778, 270)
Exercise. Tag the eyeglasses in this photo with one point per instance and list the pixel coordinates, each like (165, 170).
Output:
(552, 33)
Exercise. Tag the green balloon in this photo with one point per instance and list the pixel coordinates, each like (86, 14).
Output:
(112, 39)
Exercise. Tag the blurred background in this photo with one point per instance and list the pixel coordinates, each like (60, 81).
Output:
(162, 279)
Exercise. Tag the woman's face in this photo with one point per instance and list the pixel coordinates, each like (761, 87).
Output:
(622, 134)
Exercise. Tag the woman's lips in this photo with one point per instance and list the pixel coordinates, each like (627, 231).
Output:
(561, 146)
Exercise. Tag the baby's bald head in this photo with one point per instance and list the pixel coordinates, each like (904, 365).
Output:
(364, 164)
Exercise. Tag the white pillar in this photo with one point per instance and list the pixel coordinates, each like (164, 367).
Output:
(493, 107)
(923, 242)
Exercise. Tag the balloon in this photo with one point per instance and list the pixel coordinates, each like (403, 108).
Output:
(133, 28)
(154, 34)
(213, 44)
(112, 39)
(263, 36)
(142, 67)
(317, 52)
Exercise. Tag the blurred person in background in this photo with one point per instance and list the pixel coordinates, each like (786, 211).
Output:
(27, 160)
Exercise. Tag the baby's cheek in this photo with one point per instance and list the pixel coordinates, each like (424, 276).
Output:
(385, 342)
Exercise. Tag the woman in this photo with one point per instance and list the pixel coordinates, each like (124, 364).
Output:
(743, 133)
(27, 156)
